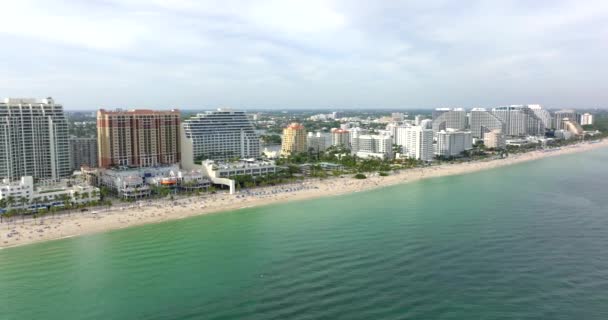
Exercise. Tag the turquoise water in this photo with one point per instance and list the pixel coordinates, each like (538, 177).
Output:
(523, 242)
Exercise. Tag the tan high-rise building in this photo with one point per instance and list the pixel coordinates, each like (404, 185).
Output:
(294, 139)
(139, 138)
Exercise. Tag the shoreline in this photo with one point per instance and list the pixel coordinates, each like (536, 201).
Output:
(23, 232)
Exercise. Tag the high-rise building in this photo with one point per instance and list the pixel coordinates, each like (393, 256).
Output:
(438, 112)
(449, 119)
(316, 142)
(563, 114)
(340, 137)
(426, 123)
(138, 138)
(545, 116)
(452, 143)
(494, 139)
(294, 139)
(586, 119)
(83, 152)
(218, 135)
(376, 146)
(416, 142)
(33, 139)
(354, 134)
(482, 121)
(519, 121)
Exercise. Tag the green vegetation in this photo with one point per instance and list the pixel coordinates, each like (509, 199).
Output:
(248, 181)
(383, 174)
(338, 155)
(360, 176)
(271, 139)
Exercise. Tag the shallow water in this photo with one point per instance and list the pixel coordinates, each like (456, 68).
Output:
(528, 241)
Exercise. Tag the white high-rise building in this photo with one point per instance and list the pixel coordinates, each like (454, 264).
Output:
(378, 146)
(33, 139)
(218, 135)
(416, 142)
(340, 137)
(544, 115)
(482, 121)
(563, 114)
(451, 143)
(519, 121)
(426, 123)
(354, 134)
(586, 119)
(449, 119)
(316, 141)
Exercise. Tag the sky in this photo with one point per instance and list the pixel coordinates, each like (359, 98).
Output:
(305, 54)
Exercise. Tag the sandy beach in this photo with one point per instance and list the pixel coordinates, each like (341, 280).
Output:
(124, 215)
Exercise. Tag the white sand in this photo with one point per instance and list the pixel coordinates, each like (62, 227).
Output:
(119, 216)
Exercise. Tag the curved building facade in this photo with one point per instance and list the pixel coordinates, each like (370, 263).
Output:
(519, 121)
(219, 135)
(483, 121)
(450, 119)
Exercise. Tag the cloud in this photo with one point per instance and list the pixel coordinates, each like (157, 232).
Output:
(272, 53)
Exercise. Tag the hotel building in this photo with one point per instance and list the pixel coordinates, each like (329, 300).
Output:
(33, 139)
(545, 116)
(451, 143)
(340, 137)
(218, 135)
(416, 142)
(483, 121)
(316, 142)
(444, 118)
(138, 138)
(564, 114)
(376, 146)
(294, 139)
(586, 119)
(519, 121)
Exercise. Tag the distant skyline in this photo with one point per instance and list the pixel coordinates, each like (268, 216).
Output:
(272, 54)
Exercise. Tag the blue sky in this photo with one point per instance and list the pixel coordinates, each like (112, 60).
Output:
(313, 53)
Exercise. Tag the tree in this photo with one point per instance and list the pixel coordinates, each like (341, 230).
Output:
(22, 202)
(10, 201)
(94, 193)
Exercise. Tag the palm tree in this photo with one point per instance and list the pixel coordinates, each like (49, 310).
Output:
(10, 201)
(3, 206)
(94, 193)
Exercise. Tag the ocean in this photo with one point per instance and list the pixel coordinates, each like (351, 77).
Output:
(528, 241)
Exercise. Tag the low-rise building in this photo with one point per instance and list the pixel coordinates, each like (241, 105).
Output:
(133, 183)
(26, 194)
(218, 169)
